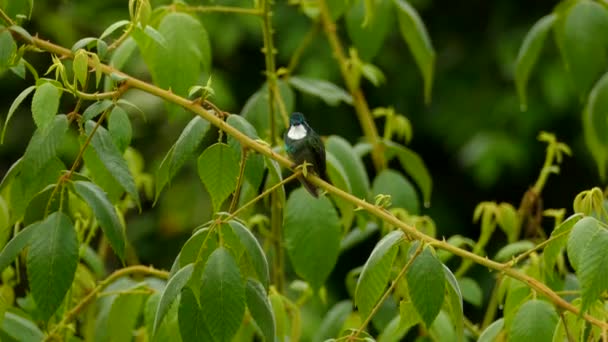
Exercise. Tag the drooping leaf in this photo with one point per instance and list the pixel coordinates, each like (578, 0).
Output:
(334, 320)
(112, 159)
(51, 262)
(124, 315)
(415, 168)
(218, 169)
(21, 329)
(417, 38)
(193, 250)
(260, 308)
(581, 235)
(222, 295)
(45, 104)
(184, 148)
(375, 275)
(593, 266)
(355, 170)
(254, 251)
(192, 325)
(174, 286)
(455, 303)
(558, 238)
(16, 245)
(105, 213)
(186, 53)
(426, 283)
(595, 125)
(119, 126)
(584, 52)
(14, 107)
(403, 195)
(312, 236)
(369, 36)
(42, 204)
(534, 321)
(528, 55)
(115, 26)
(325, 90)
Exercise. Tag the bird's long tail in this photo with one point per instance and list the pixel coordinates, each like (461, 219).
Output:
(312, 189)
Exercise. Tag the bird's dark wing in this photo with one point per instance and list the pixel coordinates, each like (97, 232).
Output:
(319, 154)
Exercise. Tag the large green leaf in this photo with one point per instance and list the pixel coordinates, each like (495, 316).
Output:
(183, 149)
(260, 309)
(558, 240)
(45, 104)
(454, 302)
(402, 192)
(415, 168)
(257, 108)
(51, 262)
(172, 290)
(334, 320)
(595, 124)
(222, 295)
(534, 321)
(325, 90)
(528, 55)
(581, 235)
(16, 245)
(312, 236)
(593, 267)
(113, 160)
(192, 325)
(351, 163)
(254, 251)
(376, 272)
(178, 65)
(583, 50)
(218, 168)
(417, 38)
(426, 282)
(104, 212)
(254, 165)
(21, 329)
(369, 36)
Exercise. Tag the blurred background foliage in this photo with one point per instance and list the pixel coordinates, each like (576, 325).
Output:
(473, 137)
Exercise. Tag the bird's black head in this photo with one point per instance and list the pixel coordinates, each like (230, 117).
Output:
(297, 119)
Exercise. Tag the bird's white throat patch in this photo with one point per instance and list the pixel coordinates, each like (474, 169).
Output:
(297, 132)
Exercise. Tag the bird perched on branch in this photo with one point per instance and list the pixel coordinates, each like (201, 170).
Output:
(303, 144)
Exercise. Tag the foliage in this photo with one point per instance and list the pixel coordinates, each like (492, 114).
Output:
(263, 255)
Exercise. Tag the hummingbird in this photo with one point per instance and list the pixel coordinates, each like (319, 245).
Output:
(302, 144)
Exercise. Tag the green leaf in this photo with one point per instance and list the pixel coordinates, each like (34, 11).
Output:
(254, 251)
(41, 204)
(534, 321)
(426, 282)
(454, 301)
(368, 37)
(376, 272)
(254, 166)
(583, 51)
(51, 262)
(5, 224)
(124, 315)
(402, 192)
(528, 55)
(415, 168)
(558, 240)
(80, 67)
(183, 149)
(193, 250)
(417, 38)
(14, 107)
(45, 104)
(492, 331)
(312, 236)
(186, 53)
(280, 314)
(16, 245)
(595, 125)
(21, 329)
(275, 177)
(408, 316)
(334, 320)
(260, 309)
(471, 291)
(580, 237)
(325, 90)
(513, 249)
(174, 286)
(95, 109)
(8, 47)
(593, 267)
(192, 325)
(338, 177)
(113, 160)
(222, 295)
(257, 109)
(115, 26)
(105, 213)
(218, 168)
(120, 128)
(355, 170)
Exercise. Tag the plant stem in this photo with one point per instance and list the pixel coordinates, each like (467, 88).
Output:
(361, 107)
(372, 209)
(239, 182)
(224, 9)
